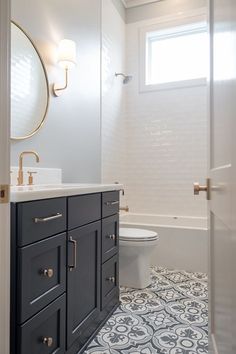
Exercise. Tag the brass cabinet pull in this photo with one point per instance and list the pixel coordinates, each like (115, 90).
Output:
(48, 272)
(111, 237)
(74, 265)
(48, 218)
(111, 279)
(113, 202)
(48, 341)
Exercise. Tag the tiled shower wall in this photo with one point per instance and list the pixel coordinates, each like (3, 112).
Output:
(156, 142)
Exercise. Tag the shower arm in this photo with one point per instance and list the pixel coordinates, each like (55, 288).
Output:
(120, 74)
(126, 78)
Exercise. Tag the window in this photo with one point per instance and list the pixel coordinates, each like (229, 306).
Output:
(175, 57)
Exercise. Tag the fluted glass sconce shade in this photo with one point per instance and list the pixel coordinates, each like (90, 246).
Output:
(67, 54)
(66, 60)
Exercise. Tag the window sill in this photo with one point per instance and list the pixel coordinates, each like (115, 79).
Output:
(173, 85)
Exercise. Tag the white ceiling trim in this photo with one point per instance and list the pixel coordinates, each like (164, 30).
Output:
(133, 3)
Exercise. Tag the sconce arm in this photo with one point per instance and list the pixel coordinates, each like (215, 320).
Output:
(57, 90)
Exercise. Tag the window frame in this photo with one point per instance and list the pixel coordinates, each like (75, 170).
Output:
(196, 20)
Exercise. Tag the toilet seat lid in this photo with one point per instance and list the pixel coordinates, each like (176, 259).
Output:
(131, 234)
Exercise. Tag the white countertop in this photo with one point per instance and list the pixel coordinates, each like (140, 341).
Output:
(36, 192)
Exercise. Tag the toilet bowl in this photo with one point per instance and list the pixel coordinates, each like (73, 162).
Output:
(136, 246)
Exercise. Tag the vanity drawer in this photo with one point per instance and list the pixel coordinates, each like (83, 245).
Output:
(110, 203)
(40, 219)
(110, 280)
(45, 332)
(83, 209)
(110, 237)
(42, 275)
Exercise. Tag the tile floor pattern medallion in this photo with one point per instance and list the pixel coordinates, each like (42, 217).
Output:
(168, 317)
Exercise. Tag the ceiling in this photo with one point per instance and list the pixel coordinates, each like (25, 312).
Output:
(133, 3)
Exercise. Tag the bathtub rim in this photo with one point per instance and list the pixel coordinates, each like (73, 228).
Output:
(140, 224)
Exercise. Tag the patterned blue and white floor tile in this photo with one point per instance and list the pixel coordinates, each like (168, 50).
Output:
(168, 317)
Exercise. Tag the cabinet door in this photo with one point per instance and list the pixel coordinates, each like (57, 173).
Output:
(110, 281)
(83, 209)
(110, 203)
(41, 275)
(83, 293)
(110, 237)
(45, 332)
(40, 219)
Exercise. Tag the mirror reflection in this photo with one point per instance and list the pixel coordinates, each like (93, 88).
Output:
(29, 86)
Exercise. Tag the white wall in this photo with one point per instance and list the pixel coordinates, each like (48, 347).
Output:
(113, 91)
(70, 138)
(166, 132)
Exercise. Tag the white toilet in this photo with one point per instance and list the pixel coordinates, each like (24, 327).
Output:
(136, 246)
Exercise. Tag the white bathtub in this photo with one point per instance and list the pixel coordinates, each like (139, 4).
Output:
(183, 241)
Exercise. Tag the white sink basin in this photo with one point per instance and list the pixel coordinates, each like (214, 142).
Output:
(44, 191)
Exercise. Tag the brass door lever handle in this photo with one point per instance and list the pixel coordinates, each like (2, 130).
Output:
(197, 188)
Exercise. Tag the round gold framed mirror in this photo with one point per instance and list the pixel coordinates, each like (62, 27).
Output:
(29, 86)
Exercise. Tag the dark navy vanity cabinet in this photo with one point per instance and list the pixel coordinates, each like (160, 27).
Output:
(65, 271)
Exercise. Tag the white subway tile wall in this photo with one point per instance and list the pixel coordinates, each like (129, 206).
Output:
(154, 143)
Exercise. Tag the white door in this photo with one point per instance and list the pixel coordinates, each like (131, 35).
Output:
(4, 175)
(222, 206)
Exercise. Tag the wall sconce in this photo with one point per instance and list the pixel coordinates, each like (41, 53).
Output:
(66, 60)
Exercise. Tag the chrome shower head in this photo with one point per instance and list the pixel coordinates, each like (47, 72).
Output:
(126, 78)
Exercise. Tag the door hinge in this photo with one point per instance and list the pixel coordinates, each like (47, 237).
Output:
(4, 193)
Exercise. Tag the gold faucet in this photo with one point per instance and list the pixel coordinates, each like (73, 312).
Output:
(20, 172)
